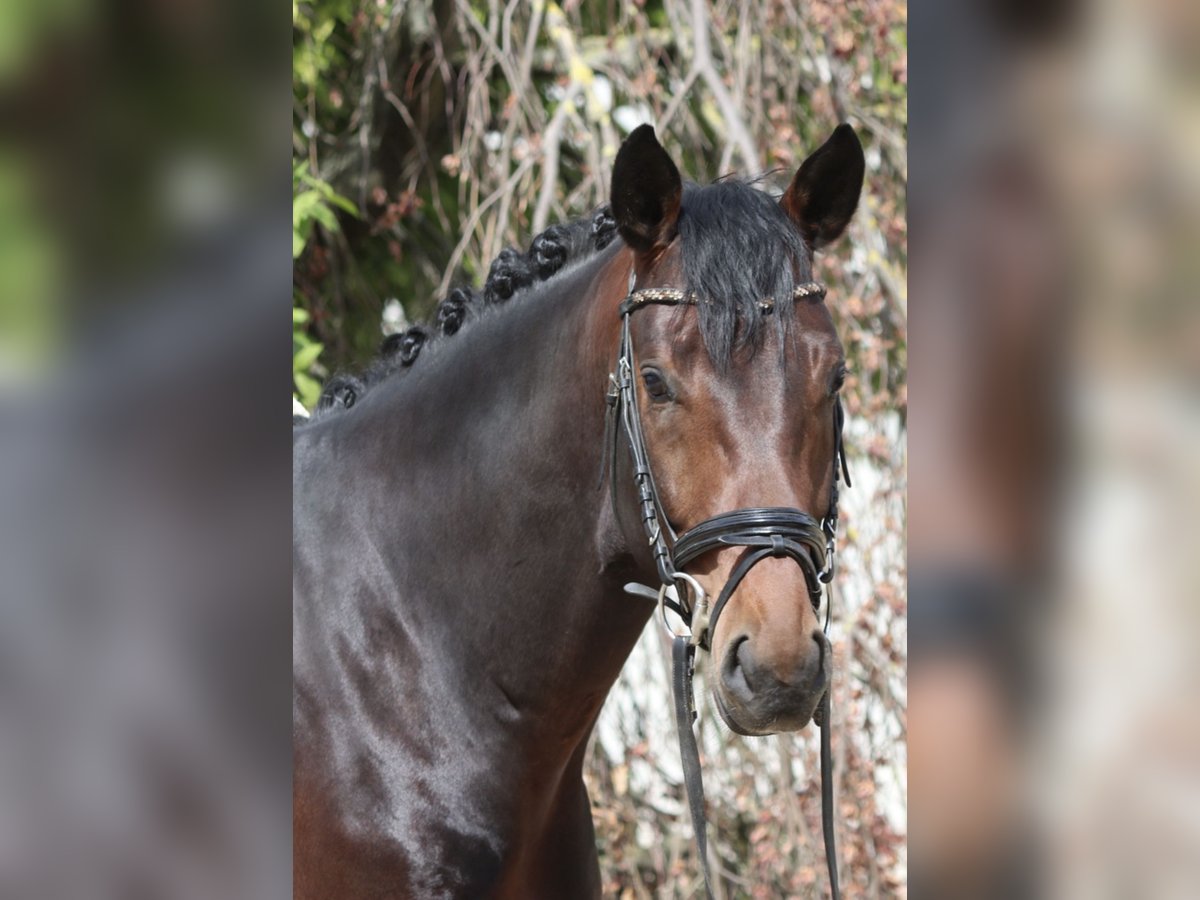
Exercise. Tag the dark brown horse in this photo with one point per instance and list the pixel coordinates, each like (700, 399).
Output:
(459, 613)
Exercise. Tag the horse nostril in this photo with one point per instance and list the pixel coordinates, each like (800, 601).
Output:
(735, 668)
(748, 665)
(745, 673)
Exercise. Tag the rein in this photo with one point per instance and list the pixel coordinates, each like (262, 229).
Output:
(765, 531)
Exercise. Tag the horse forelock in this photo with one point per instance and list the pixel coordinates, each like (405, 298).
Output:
(737, 248)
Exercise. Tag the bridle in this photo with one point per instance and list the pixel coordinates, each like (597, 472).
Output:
(765, 531)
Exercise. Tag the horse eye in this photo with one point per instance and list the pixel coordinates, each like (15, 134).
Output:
(656, 387)
(839, 380)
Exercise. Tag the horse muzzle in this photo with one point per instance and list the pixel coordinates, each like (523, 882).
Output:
(756, 696)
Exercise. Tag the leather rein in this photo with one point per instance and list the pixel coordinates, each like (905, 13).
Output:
(764, 531)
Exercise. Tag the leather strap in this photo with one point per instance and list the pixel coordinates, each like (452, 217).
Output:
(771, 531)
(827, 796)
(683, 659)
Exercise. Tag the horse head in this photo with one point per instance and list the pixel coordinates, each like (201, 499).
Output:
(735, 368)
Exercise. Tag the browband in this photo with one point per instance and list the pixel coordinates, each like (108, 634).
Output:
(677, 297)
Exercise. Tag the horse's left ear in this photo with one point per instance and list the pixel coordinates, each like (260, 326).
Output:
(823, 195)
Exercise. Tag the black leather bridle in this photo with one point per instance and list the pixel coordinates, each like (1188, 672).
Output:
(765, 531)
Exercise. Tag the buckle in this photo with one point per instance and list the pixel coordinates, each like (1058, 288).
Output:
(698, 626)
(613, 394)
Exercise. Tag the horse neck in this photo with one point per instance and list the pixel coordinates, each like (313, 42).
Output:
(483, 493)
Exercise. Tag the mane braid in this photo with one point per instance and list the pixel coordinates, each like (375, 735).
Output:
(509, 274)
(738, 249)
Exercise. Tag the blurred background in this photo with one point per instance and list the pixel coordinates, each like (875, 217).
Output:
(429, 136)
(1054, 746)
(145, 489)
(145, 501)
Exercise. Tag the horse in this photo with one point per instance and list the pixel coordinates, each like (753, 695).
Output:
(463, 532)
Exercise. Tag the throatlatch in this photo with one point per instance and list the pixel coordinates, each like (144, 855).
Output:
(767, 531)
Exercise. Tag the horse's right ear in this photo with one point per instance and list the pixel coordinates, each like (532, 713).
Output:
(646, 192)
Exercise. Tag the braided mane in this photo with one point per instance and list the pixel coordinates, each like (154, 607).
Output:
(738, 248)
(510, 272)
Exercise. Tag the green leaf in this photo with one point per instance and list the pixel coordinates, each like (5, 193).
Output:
(324, 190)
(308, 389)
(303, 206)
(306, 356)
(325, 216)
(339, 201)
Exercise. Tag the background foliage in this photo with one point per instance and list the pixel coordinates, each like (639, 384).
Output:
(429, 135)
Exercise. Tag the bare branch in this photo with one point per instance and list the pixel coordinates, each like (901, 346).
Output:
(703, 63)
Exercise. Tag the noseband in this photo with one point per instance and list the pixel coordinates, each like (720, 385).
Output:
(764, 531)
